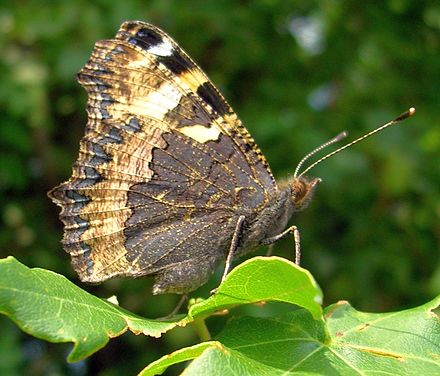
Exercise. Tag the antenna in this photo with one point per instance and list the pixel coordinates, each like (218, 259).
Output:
(338, 138)
(399, 118)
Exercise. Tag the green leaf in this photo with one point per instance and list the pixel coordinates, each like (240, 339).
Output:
(188, 353)
(48, 306)
(404, 343)
(264, 279)
(398, 343)
(214, 354)
(345, 341)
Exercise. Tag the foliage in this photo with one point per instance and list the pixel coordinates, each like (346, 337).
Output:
(346, 341)
(297, 73)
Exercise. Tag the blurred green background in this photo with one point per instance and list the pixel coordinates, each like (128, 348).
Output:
(297, 73)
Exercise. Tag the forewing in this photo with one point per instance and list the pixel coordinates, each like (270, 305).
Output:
(163, 159)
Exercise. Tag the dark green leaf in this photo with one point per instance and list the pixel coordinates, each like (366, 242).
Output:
(48, 306)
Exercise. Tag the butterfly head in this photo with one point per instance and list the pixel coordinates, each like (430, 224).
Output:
(302, 191)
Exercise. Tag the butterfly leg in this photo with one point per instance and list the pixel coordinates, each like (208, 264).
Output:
(175, 311)
(269, 250)
(291, 230)
(234, 244)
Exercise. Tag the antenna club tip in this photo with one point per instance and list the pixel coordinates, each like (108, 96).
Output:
(340, 136)
(405, 115)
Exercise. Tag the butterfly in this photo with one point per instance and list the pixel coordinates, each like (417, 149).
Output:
(168, 181)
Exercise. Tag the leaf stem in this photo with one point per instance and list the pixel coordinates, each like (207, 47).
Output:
(201, 329)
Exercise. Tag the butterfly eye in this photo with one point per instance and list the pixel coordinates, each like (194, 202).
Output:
(298, 189)
(302, 191)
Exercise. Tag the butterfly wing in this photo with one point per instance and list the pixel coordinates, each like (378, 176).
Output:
(164, 165)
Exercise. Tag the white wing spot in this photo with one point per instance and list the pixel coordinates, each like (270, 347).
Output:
(163, 49)
(201, 133)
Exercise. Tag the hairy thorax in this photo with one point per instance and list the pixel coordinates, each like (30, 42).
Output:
(294, 195)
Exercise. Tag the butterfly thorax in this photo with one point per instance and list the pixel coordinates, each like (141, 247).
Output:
(293, 195)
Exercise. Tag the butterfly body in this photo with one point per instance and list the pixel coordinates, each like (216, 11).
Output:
(168, 180)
